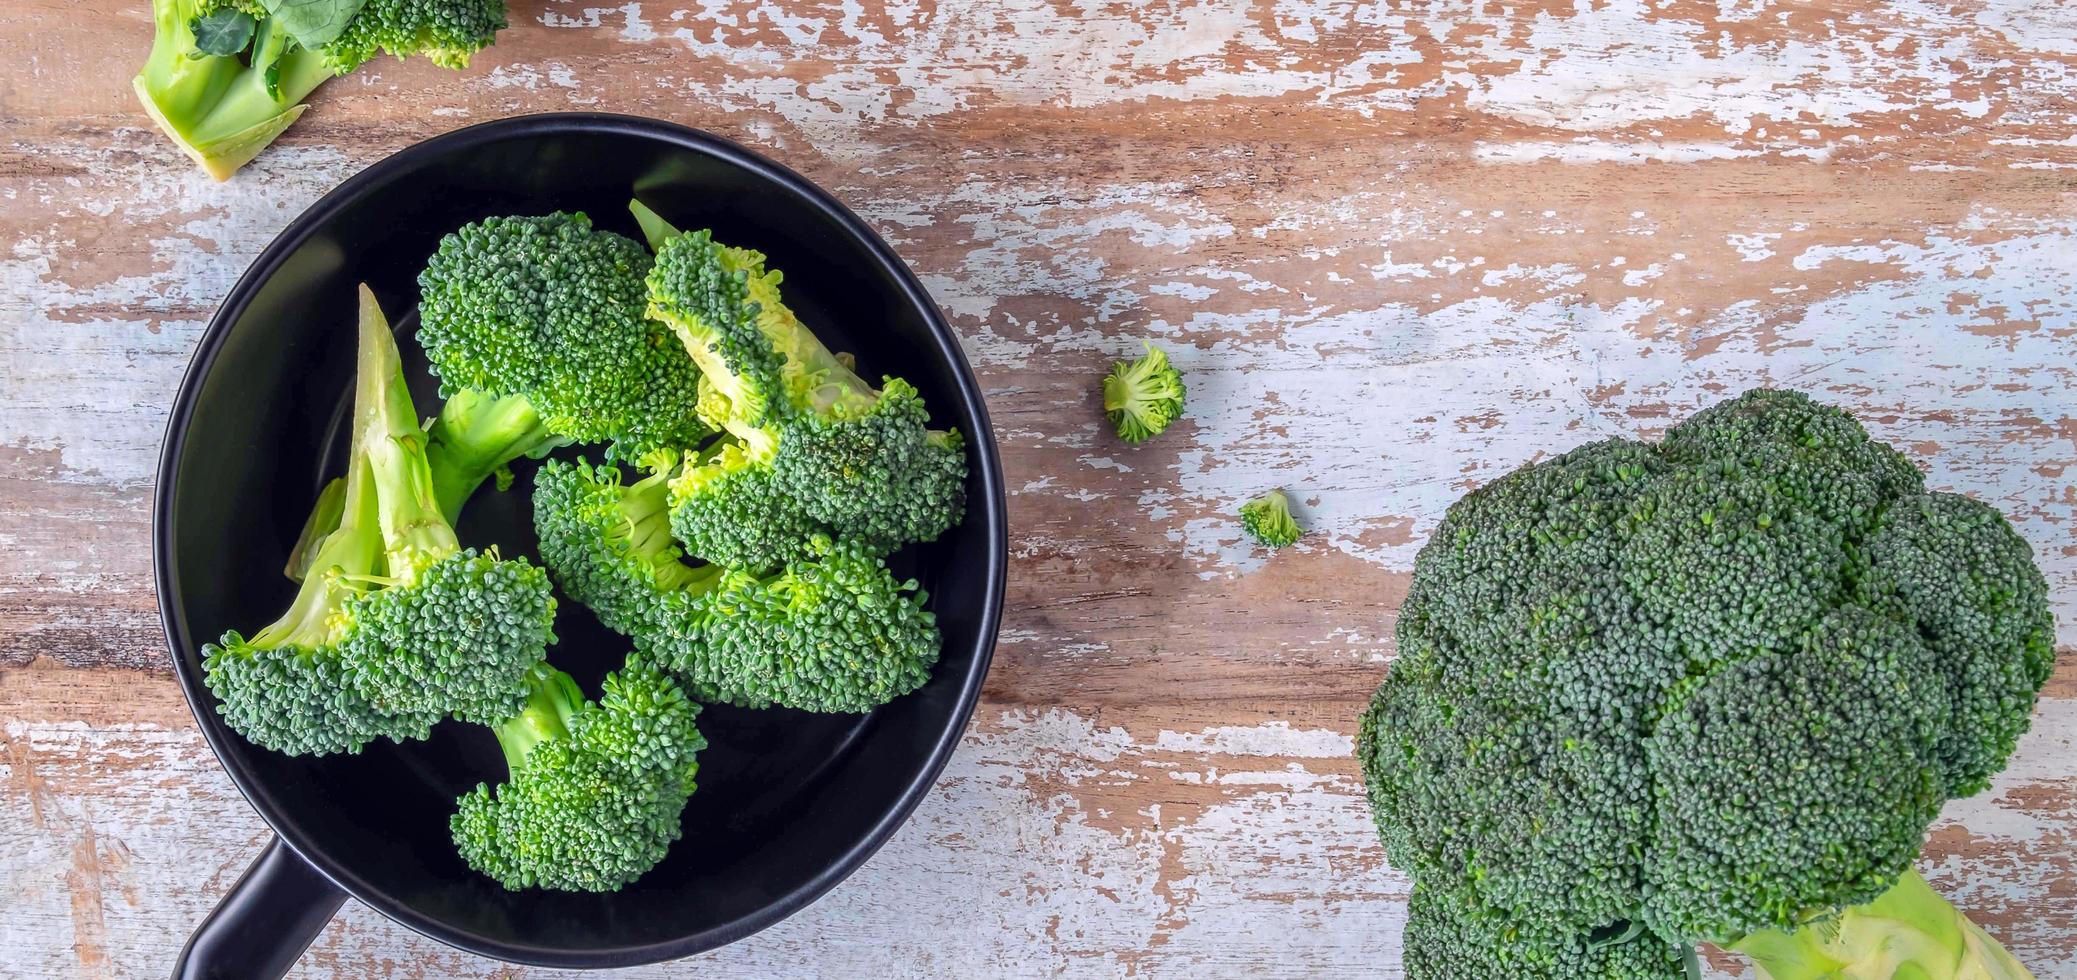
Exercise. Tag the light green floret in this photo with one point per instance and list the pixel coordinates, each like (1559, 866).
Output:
(549, 310)
(834, 631)
(822, 449)
(595, 790)
(1268, 520)
(1709, 690)
(395, 625)
(1141, 397)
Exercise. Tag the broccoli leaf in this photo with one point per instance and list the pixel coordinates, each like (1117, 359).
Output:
(222, 33)
(313, 23)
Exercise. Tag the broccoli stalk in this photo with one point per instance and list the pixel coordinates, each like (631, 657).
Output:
(223, 107)
(477, 436)
(817, 445)
(1908, 930)
(395, 626)
(831, 631)
(594, 789)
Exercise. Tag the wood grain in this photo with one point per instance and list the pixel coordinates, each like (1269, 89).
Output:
(1399, 248)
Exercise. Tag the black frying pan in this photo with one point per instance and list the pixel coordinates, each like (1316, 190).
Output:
(789, 802)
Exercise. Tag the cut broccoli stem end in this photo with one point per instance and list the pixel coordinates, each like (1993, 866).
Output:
(222, 110)
(475, 437)
(1909, 930)
(552, 699)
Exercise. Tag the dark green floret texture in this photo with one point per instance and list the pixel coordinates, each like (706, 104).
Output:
(457, 640)
(596, 789)
(551, 309)
(1450, 934)
(1695, 691)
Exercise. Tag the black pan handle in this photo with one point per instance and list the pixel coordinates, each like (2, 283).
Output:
(269, 918)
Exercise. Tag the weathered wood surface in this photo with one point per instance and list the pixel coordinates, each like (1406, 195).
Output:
(1400, 248)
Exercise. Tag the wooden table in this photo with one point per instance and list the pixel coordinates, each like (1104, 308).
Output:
(1398, 248)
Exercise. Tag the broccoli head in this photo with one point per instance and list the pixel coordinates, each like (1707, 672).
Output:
(395, 625)
(860, 462)
(550, 310)
(1141, 397)
(831, 631)
(1699, 690)
(595, 790)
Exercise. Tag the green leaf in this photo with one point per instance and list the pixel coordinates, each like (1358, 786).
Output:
(223, 33)
(314, 23)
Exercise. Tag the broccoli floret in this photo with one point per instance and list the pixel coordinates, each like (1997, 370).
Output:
(832, 631)
(1706, 688)
(728, 499)
(550, 309)
(1143, 396)
(1268, 520)
(861, 462)
(595, 790)
(225, 77)
(396, 625)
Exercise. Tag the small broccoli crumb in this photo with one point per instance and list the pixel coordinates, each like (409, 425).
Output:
(1142, 397)
(1268, 520)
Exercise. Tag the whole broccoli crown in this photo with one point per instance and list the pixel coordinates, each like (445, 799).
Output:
(552, 309)
(597, 809)
(1268, 520)
(608, 545)
(1142, 397)
(447, 32)
(298, 700)
(1584, 637)
(455, 640)
(879, 477)
(730, 510)
(701, 288)
(1449, 936)
(836, 633)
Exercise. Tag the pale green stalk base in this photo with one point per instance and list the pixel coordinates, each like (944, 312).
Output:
(1907, 933)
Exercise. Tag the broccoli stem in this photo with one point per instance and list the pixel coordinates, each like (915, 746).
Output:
(477, 435)
(386, 429)
(352, 550)
(222, 110)
(552, 698)
(1909, 930)
(646, 506)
